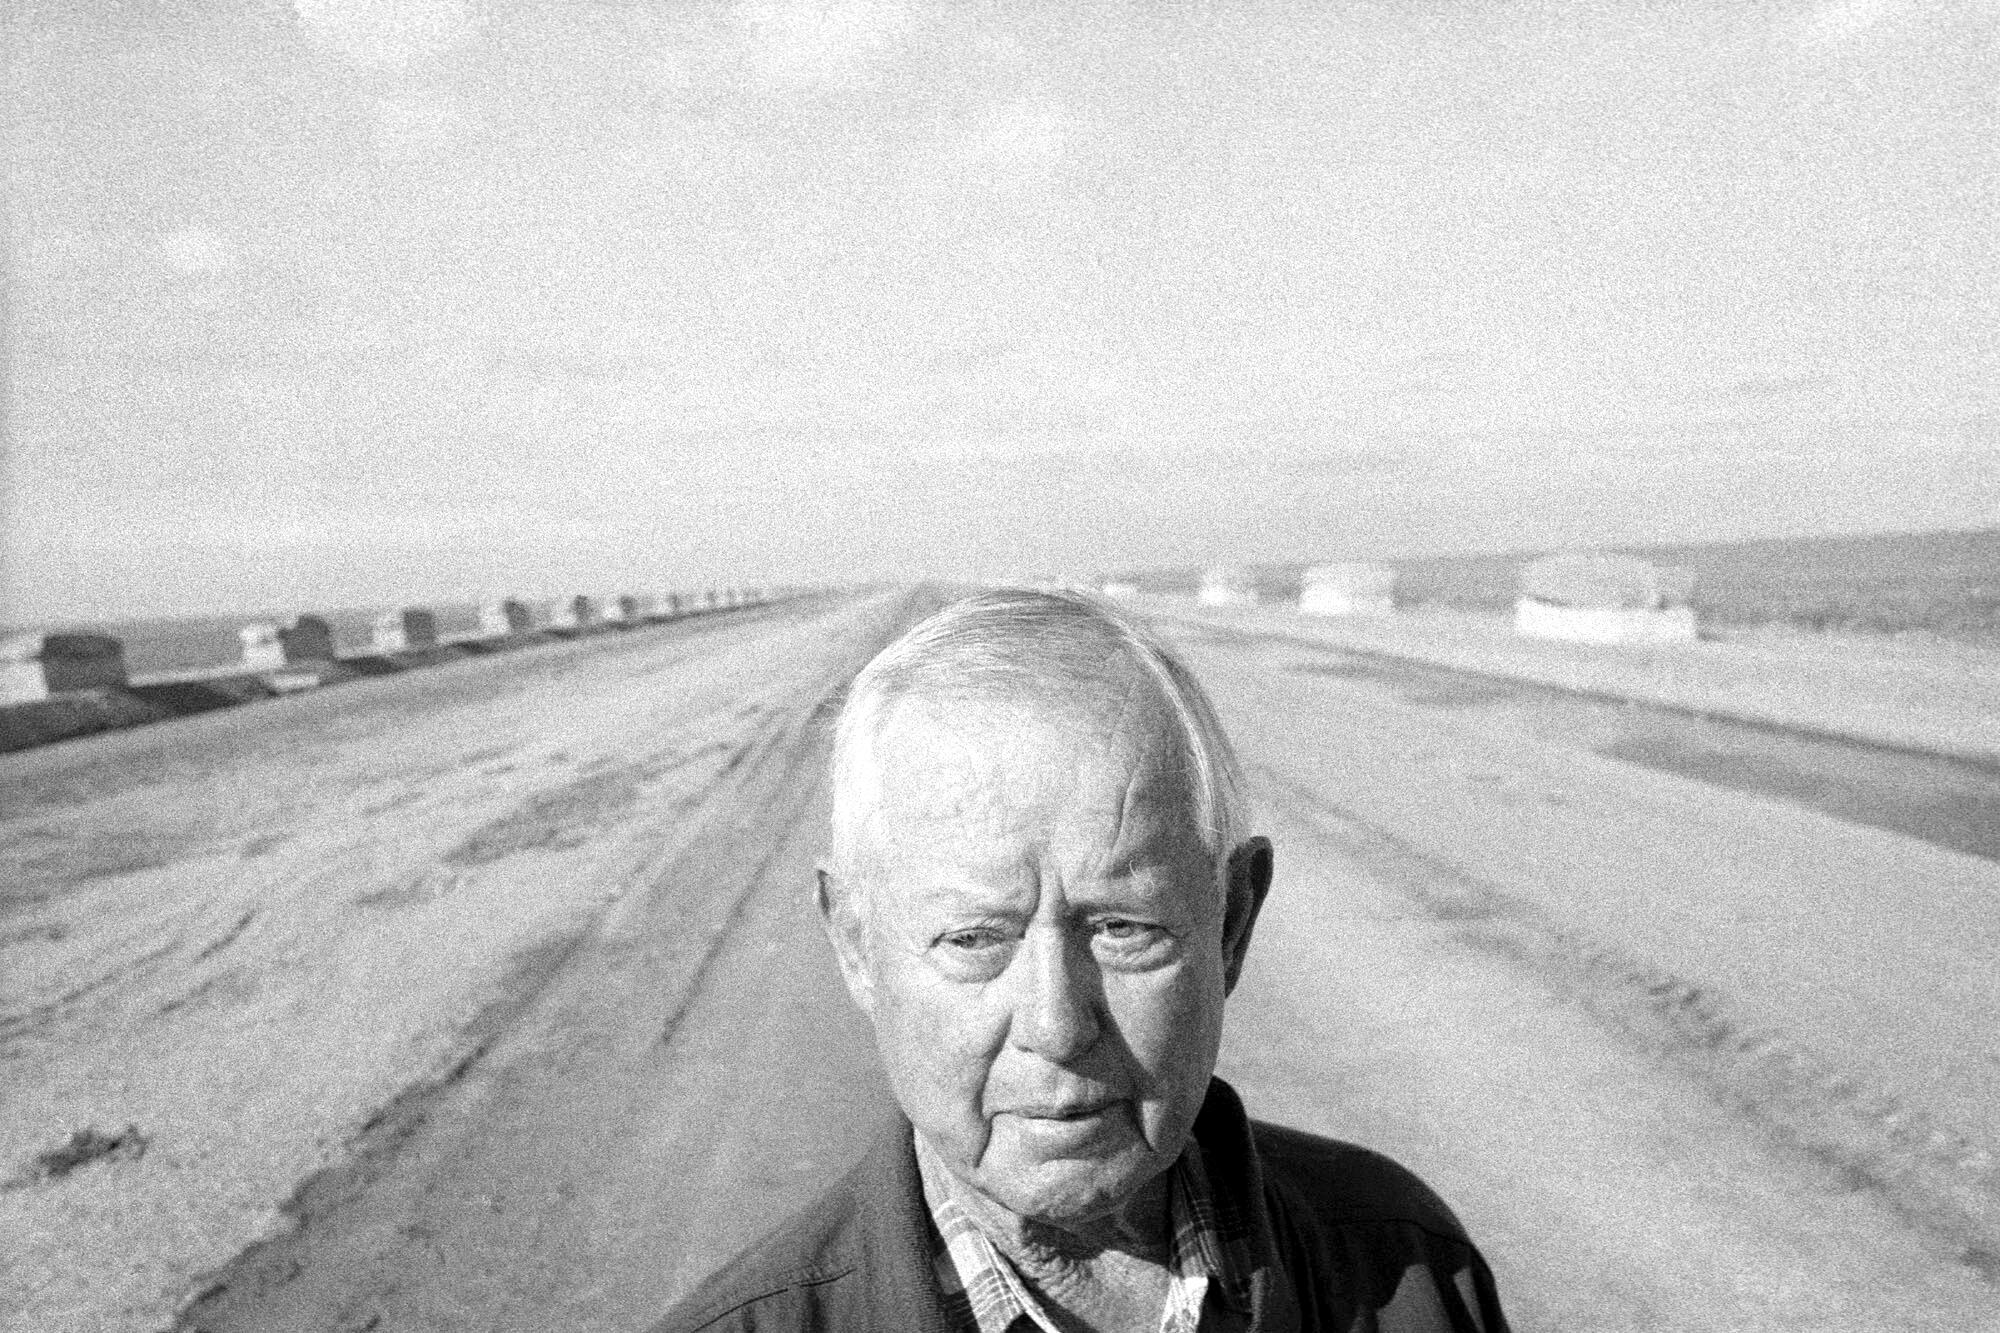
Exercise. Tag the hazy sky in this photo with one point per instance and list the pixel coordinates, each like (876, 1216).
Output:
(349, 300)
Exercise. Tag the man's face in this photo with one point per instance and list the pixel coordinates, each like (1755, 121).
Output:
(1040, 944)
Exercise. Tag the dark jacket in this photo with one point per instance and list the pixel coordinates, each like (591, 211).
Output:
(1346, 1240)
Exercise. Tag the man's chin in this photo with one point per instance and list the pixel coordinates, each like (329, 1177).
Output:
(1066, 1191)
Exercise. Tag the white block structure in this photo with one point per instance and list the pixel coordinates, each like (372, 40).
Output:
(262, 648)
(578, 612)
(1604, 624)
(35, 666)
(266, 646)
(504, 616)
(1349, 588)
(1228, 586)
(1605, 598)
(406, 629)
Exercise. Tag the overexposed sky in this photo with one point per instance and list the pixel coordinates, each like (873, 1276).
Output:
(340, 301)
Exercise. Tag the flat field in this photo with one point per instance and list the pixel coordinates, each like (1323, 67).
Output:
(490, 997)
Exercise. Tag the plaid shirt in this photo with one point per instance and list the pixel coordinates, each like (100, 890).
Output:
(983, 1293)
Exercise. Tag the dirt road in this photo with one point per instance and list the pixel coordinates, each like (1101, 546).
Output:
(1688, 1056)
(505, 978)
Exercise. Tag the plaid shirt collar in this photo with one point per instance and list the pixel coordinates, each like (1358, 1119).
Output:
(983, 1293)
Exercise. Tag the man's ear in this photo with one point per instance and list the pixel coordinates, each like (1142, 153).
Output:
(841, 916)
(1249, 879)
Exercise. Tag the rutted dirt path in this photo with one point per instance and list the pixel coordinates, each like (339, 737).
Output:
(519, 979)
(1665, 1045)
(274, 939)
(544, 1178)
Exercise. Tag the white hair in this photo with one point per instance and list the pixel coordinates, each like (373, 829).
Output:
(1012, 643)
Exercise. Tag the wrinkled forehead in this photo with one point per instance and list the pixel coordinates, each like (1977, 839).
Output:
(1102, 760)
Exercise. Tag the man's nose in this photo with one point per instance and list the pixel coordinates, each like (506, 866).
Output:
(1055, 1004)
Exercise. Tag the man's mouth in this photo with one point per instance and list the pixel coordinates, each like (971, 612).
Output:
(1063, 1110)
(1089, 1127)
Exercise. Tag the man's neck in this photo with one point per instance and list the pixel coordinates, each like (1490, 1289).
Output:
(1138, 1229)
(1105, 1274)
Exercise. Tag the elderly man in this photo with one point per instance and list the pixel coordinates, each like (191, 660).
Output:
(1040, 893)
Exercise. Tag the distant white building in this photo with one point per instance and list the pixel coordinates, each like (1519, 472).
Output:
(574, 613)
(1600, 597)
(262, 648)
(1350, 588)
(504, 616)
(303, 639)
(1228, 586)
(36, 666)
(404, 630)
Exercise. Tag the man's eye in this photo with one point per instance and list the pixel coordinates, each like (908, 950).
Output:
(970, 941)
(1129, 934)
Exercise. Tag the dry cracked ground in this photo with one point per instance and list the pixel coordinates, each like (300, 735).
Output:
(490, 997)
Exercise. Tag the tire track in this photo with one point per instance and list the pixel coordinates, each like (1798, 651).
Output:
(399, 1214)
(1936, 1177)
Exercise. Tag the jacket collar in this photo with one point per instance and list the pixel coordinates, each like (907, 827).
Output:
(895, 1236)
(1236, 1178)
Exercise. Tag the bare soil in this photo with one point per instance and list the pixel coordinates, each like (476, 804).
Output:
(490, 997)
